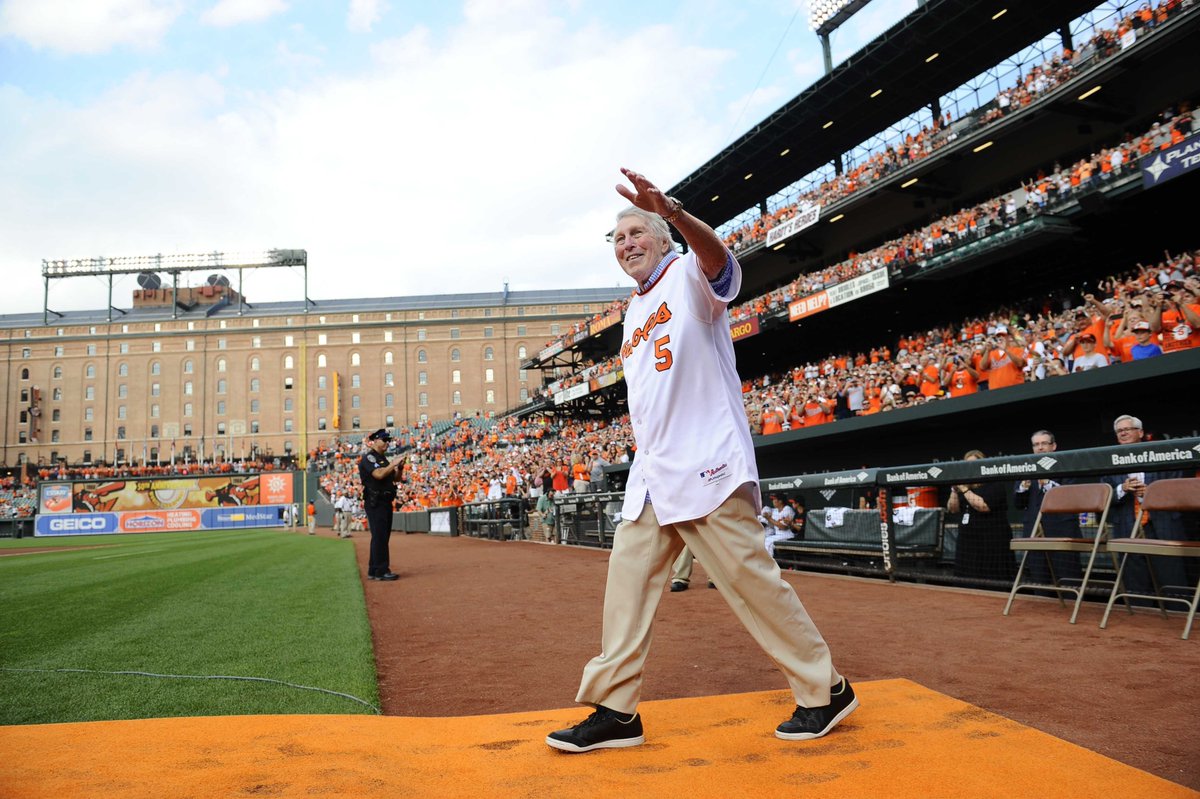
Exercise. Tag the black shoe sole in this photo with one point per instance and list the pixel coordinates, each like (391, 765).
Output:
(615, 743)
(808, 736)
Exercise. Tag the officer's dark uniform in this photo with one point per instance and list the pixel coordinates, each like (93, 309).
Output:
(377, 501)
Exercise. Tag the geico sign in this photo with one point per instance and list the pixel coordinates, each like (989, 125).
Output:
(92, 523)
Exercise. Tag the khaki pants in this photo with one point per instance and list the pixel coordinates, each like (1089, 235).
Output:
(681, 570)
(729, 542)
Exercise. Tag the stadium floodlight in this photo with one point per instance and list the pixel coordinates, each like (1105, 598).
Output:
(876, 93)
(931, 57)
(128, 265)
(999, 14)
(836, 218)
(908, 183)
(983, 146)
(825, 16)
(1089, 92)
(827, 125)
(785, 152)
(151, 265)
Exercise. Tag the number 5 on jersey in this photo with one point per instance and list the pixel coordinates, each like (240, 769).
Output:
(662, 355)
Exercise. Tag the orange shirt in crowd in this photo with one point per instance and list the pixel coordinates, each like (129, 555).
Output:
(1002, 370)
(961, 383)
(1096, 328)
(1121, 348)
(771, 423)
(1177, 334)
(931, 382)
(814, 414)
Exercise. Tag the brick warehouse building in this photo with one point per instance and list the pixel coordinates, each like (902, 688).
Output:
(87, 388)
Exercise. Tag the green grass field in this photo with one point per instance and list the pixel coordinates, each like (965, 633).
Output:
(247, 603)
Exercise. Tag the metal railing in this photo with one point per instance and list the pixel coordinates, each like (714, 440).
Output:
(497, 519)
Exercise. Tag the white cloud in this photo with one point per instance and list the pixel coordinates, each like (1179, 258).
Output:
(364, 14)
(488, 157)
(236, 12)
(96, 26)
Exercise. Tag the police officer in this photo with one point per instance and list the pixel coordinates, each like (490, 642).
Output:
(379, 478)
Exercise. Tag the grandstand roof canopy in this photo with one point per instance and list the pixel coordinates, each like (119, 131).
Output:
(968, 42)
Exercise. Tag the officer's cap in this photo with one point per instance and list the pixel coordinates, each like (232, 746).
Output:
(380, 435)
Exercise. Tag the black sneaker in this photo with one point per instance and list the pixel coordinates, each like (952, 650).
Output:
(604, 729)
(387, 578)
(813, 722)
(677, 586)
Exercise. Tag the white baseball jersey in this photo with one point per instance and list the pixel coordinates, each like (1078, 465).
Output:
(685, 397)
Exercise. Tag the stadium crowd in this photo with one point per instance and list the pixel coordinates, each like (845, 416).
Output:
(18, 497)
(1042, 193)
(1145, 312)
(916, 146)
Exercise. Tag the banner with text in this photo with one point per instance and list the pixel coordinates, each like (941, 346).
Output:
(166, 494)
(1176, 455)
(605, 322)
(806, 217)
(744, 328)
(840, 294)
(159, 521)
(1171, 162)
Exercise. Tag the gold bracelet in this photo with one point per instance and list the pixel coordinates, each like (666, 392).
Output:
(676, 207)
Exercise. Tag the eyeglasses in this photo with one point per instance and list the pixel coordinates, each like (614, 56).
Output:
(1127, 429)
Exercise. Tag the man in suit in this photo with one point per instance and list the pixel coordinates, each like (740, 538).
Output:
(1128, 489)
(1028, 498)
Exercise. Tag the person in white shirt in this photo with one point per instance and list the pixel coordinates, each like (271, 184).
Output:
(337, 512)
(694, 482)
(779, 523)
(345, 507)
(495, 489)
(1089, 359)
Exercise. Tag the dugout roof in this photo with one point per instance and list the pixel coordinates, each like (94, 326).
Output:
(968, 42)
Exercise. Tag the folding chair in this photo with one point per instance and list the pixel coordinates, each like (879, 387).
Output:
(1079, 498)
(1162, 496)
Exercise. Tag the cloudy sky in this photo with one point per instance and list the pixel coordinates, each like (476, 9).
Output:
(410, 147)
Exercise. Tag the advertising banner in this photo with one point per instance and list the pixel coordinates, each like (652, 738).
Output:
(744, 329)
(574, 392)
(837, 295)
(55, 498)
(1171, 162)
(262, 516)
(806, 217)
(171, 493)
(159, 521)
(1177, 454)
(169, 504)
(605, 322)
(847, 479)
(76, 524)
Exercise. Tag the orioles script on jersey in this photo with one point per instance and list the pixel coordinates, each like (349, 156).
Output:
(661, 316)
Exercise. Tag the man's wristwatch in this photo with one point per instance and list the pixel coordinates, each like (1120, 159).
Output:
(676, 207)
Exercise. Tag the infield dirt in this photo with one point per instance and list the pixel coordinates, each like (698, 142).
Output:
(477, 627)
